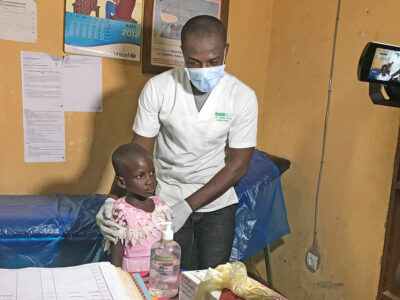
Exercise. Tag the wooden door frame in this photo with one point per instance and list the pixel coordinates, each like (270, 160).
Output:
(389, 248)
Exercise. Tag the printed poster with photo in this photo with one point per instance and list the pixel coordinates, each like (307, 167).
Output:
(108, 28)
(163, 22)
(168, 20)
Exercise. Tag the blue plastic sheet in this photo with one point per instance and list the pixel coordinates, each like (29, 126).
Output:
(261, 214)
(50, 231)
(60, 230)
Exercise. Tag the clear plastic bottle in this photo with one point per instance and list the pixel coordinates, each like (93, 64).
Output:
(164, 265)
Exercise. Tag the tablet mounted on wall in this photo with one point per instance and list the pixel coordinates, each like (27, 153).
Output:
(380, 63)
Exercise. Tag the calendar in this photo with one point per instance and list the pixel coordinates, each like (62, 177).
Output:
(108, 28)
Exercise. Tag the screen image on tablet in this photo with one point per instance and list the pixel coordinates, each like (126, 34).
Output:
(385, 65)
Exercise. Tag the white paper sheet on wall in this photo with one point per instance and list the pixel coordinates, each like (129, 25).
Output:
(18, 20)
(82, 83)
(51, 85)
(43, 113)
(44, 136)
(41, 80)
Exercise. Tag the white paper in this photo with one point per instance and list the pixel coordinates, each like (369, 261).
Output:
(44, 136)
(43, 114)
(82, 83)
(41, 80)
(18, 20)
(90, 281)
(51, 85)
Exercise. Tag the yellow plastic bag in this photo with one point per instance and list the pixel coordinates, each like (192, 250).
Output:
(234, 277)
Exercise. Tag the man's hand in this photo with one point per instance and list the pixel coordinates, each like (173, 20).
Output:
(181, 212)
(108, 228)
(236, 167)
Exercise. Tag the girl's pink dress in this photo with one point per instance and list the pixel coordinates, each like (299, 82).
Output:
(139, 232)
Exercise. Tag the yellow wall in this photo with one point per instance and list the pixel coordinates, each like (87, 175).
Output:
(360, 148)
(91, 137)
(283, 50)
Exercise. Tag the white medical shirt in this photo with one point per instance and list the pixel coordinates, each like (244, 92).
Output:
(385, 77)
(190, 145)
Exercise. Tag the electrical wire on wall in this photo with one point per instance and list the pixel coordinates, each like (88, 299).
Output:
(313, 257)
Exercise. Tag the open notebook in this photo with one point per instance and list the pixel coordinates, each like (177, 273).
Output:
(90, 281)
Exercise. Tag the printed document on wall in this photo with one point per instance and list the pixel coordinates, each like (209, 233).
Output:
(82, 83)
(43, 113)
(18, 20)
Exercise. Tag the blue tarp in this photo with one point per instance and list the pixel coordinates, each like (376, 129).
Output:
(61, 230)
(50, 231)
(261, 214)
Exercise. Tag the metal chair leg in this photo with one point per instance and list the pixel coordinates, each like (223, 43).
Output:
(268, 267)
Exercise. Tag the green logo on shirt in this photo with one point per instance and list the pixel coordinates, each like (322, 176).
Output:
(223, 117)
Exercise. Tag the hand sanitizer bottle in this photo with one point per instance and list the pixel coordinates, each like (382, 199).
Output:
(164, 265)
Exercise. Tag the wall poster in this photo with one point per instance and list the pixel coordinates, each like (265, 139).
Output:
(109, 28)
(162, 25)
(18, 20)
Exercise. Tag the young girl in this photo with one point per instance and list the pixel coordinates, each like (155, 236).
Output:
(139, 212)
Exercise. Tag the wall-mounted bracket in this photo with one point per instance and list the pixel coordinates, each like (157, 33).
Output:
(377, 97)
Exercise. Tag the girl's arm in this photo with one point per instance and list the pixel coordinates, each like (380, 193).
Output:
(117, 253)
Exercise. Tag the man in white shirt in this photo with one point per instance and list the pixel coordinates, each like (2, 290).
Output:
(190, 117)
(383, 75)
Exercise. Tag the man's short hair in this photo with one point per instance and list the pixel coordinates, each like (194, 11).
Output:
(203, 25)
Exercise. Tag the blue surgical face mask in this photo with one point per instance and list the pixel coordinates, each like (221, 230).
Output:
(206, 79)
